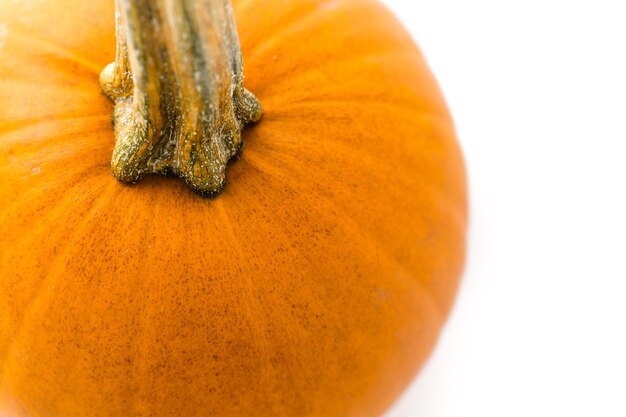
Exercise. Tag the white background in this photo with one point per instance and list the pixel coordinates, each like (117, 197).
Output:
(538, 92)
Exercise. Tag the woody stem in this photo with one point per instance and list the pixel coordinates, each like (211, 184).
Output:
(177, 84)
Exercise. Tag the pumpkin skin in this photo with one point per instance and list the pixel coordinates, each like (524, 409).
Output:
(315, 285)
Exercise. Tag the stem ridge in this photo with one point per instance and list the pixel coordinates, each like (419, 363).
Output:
(177, 85)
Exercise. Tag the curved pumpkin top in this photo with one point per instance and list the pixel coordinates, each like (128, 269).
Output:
(327, 265)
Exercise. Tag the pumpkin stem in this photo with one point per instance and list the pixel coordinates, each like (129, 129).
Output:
(177, 84)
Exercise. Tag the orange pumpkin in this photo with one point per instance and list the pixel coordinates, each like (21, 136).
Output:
(314, 285)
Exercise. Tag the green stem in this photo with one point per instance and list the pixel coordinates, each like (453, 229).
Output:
(177, 84)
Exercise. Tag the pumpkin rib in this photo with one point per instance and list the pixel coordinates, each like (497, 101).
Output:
(63, 91)
(142, 308)
(285, 326)
(25, 199)
(54, 272)
(436, 308)
(50, 177)
(93, 158)
(287, 176)
(260, 333)
(76, 92)
(340, 147)
(31, 39)
(367, 101)
(11, 118)
(20, 128)
(260, 52)
(289, 112)
(233, 235)
(290, 77)
(304, 16)
(364, 99)
(284, 114)
(261, 165)
(277, 97)
(282, 119)
(140, 305)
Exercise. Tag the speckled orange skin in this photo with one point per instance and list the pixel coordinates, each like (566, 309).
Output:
(316, 285)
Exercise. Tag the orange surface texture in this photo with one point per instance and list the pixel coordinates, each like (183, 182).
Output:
(315, 285)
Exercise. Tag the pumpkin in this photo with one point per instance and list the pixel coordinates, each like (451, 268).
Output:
(315, 283)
